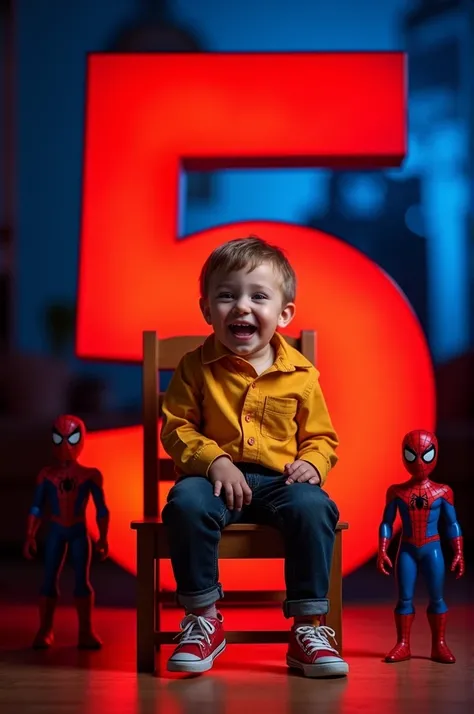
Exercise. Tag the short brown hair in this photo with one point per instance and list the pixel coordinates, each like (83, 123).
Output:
(239, 253)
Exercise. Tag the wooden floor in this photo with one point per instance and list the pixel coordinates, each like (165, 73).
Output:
(244, 679)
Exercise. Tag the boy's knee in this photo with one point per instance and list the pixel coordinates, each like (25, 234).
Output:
(308, 500)
(191, 499)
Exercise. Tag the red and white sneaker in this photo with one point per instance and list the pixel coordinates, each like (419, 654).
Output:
(201, 640)
(310, 651)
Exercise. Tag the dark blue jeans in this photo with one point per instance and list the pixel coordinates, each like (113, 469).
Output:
(303, 513)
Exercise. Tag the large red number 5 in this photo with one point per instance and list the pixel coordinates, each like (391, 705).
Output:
(150, 116)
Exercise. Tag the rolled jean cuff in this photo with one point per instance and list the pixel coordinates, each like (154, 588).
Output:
(298, 608)
(196, 601)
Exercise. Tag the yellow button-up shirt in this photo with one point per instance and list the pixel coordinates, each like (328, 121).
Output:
(216, 404)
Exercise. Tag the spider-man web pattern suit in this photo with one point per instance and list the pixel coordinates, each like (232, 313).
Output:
(421, 503)
(64, 488)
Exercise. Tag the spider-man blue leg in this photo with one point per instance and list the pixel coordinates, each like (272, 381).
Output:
(433, 569)
(54, 557)
(55, 554)
(406, 569)
(80, 545)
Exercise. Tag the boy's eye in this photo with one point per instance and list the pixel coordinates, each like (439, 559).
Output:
(260, 296)
(225, 296)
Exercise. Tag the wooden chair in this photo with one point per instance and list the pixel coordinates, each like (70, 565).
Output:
(238, 541)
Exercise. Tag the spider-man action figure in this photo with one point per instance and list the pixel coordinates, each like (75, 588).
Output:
(420, 503)
(65, 487)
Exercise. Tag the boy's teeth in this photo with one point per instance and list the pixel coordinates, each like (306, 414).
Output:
(243, 327)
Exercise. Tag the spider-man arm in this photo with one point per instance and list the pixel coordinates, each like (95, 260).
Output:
(35, 515)
(102, 512)
(453, 531)
(386, 530)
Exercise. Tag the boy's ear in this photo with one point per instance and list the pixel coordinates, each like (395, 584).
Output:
(286, 315)
(204, 305)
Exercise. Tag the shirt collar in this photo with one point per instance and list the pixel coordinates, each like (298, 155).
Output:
(287, 359)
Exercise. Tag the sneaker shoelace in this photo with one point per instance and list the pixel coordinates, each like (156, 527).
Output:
(195, 630)
(316, 638)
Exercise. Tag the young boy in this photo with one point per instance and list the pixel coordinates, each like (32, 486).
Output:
(246, 424)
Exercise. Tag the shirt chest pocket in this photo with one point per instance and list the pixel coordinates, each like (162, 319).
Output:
(278, 419)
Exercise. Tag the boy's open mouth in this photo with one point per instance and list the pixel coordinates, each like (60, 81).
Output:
(242, 329)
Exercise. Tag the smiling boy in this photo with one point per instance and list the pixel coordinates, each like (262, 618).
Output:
(246, 424)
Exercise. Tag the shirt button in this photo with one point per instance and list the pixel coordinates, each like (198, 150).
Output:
(248, 417)
(251, 441)
(253, 385)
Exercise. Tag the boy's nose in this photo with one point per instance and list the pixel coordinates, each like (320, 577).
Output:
(242, 307)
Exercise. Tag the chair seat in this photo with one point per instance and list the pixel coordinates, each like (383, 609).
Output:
(239, 540)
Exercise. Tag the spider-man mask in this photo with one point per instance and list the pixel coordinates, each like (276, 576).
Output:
(420, 453)
(68, 437)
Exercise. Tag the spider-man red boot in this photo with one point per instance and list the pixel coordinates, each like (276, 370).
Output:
(440, 651)
(88, 640)
(45, 637)
(401, 651)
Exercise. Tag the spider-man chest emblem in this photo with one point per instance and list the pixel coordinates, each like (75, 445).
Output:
(419, 502)
(67, 485)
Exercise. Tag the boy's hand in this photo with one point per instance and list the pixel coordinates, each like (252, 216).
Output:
(302, 471)
(225, 475)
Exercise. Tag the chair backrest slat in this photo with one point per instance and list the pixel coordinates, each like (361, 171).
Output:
(173, 348)
(150, 388)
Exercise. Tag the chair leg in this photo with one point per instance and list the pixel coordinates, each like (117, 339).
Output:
(145, 601)
(157, 601)
(334, 618)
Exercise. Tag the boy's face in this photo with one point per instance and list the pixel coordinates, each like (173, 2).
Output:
(245, 309)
